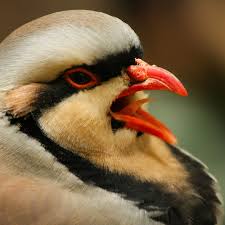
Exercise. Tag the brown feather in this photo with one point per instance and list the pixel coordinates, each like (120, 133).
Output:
(20, 101)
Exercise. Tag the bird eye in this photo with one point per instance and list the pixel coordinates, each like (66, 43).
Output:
(80, 78)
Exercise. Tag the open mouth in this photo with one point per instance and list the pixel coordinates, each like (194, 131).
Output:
(127, 111)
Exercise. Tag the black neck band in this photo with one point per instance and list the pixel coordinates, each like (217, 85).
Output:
(146, 195)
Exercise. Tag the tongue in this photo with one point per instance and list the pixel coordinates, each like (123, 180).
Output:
(136, 118)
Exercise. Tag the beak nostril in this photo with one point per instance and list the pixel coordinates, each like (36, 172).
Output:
(137, 73)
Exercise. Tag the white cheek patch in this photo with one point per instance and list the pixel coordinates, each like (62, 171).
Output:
(82, 122)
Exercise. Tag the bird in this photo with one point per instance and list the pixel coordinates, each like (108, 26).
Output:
(77, 143)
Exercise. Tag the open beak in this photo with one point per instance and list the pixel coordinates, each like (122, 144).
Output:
(147, 77)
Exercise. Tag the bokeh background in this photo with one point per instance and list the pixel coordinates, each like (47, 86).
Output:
(185, 36)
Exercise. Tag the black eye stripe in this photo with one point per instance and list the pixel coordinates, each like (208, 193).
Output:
(112, 65)
(55, 93)
(105, 69)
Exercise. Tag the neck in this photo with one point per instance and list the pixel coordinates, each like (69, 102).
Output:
(127, 186)
(145, 194)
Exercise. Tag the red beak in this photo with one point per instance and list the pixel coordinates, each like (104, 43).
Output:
(150, 78)
(153, 78)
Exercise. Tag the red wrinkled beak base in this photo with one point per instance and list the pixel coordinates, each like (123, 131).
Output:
(134, 117)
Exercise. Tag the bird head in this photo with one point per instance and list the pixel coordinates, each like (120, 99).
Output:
(80, 75)
(78, 78)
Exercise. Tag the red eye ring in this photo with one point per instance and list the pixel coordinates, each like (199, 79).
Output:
(93, 78)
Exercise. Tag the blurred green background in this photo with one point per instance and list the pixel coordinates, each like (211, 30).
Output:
(185, 36)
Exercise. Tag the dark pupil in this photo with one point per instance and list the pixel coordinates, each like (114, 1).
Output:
(80, 78)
